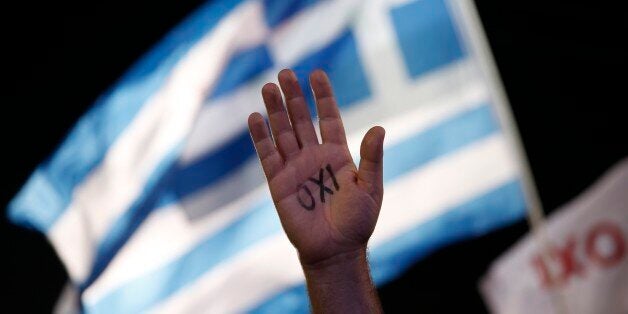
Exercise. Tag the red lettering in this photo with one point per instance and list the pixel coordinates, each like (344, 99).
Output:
(542, 272)
(567, 258)
(612, 232)
(604, 246)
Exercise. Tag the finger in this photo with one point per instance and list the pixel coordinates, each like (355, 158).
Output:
(297, 108)
(279, 122)
(332, 130)
(271, 160)
(371, 170)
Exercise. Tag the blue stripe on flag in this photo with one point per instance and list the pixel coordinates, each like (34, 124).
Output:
(213, 167)
(261, 221)
(426, 35)
(499, 207)
(276, 11)
(48, 191)
(464, 128)
(242, 67)
(341, 61)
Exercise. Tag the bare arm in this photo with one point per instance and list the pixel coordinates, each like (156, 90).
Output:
(342, 285)
(328, 207)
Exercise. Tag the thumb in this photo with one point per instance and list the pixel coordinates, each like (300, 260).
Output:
(370, 172)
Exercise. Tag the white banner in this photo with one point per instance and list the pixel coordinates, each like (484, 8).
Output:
(586, 267)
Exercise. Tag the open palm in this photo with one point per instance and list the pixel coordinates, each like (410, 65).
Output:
(326, 205)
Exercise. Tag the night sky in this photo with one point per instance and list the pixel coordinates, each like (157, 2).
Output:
(562, 66)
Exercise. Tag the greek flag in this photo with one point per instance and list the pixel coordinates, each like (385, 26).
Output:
(156, 201)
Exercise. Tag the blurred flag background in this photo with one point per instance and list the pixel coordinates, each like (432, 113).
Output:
(155, 199)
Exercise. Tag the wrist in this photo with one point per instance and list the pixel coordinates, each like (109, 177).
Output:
(342, 283)
(350, 267)
(337, 262)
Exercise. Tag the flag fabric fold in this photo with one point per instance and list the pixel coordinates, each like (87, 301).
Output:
(156, 201)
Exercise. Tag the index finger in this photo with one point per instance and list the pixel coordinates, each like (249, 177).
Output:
(271, 160)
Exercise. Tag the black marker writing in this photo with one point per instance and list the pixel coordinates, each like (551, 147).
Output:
(321, 186)
(309, 193)
(333, 177)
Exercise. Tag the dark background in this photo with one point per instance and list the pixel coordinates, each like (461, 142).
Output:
(563, 67)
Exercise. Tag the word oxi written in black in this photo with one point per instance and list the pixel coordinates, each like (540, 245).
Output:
(309, 205)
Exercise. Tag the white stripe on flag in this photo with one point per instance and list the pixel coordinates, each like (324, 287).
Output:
(271, 266)
(306, 32)
(158, 128)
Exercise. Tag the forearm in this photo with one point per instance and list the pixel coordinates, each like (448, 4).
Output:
(342, 284)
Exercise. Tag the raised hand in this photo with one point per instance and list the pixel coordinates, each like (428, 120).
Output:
(326, 205)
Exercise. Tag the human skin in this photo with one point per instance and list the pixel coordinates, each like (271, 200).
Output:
(328, 207)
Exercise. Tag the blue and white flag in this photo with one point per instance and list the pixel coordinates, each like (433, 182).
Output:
(156, 201)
